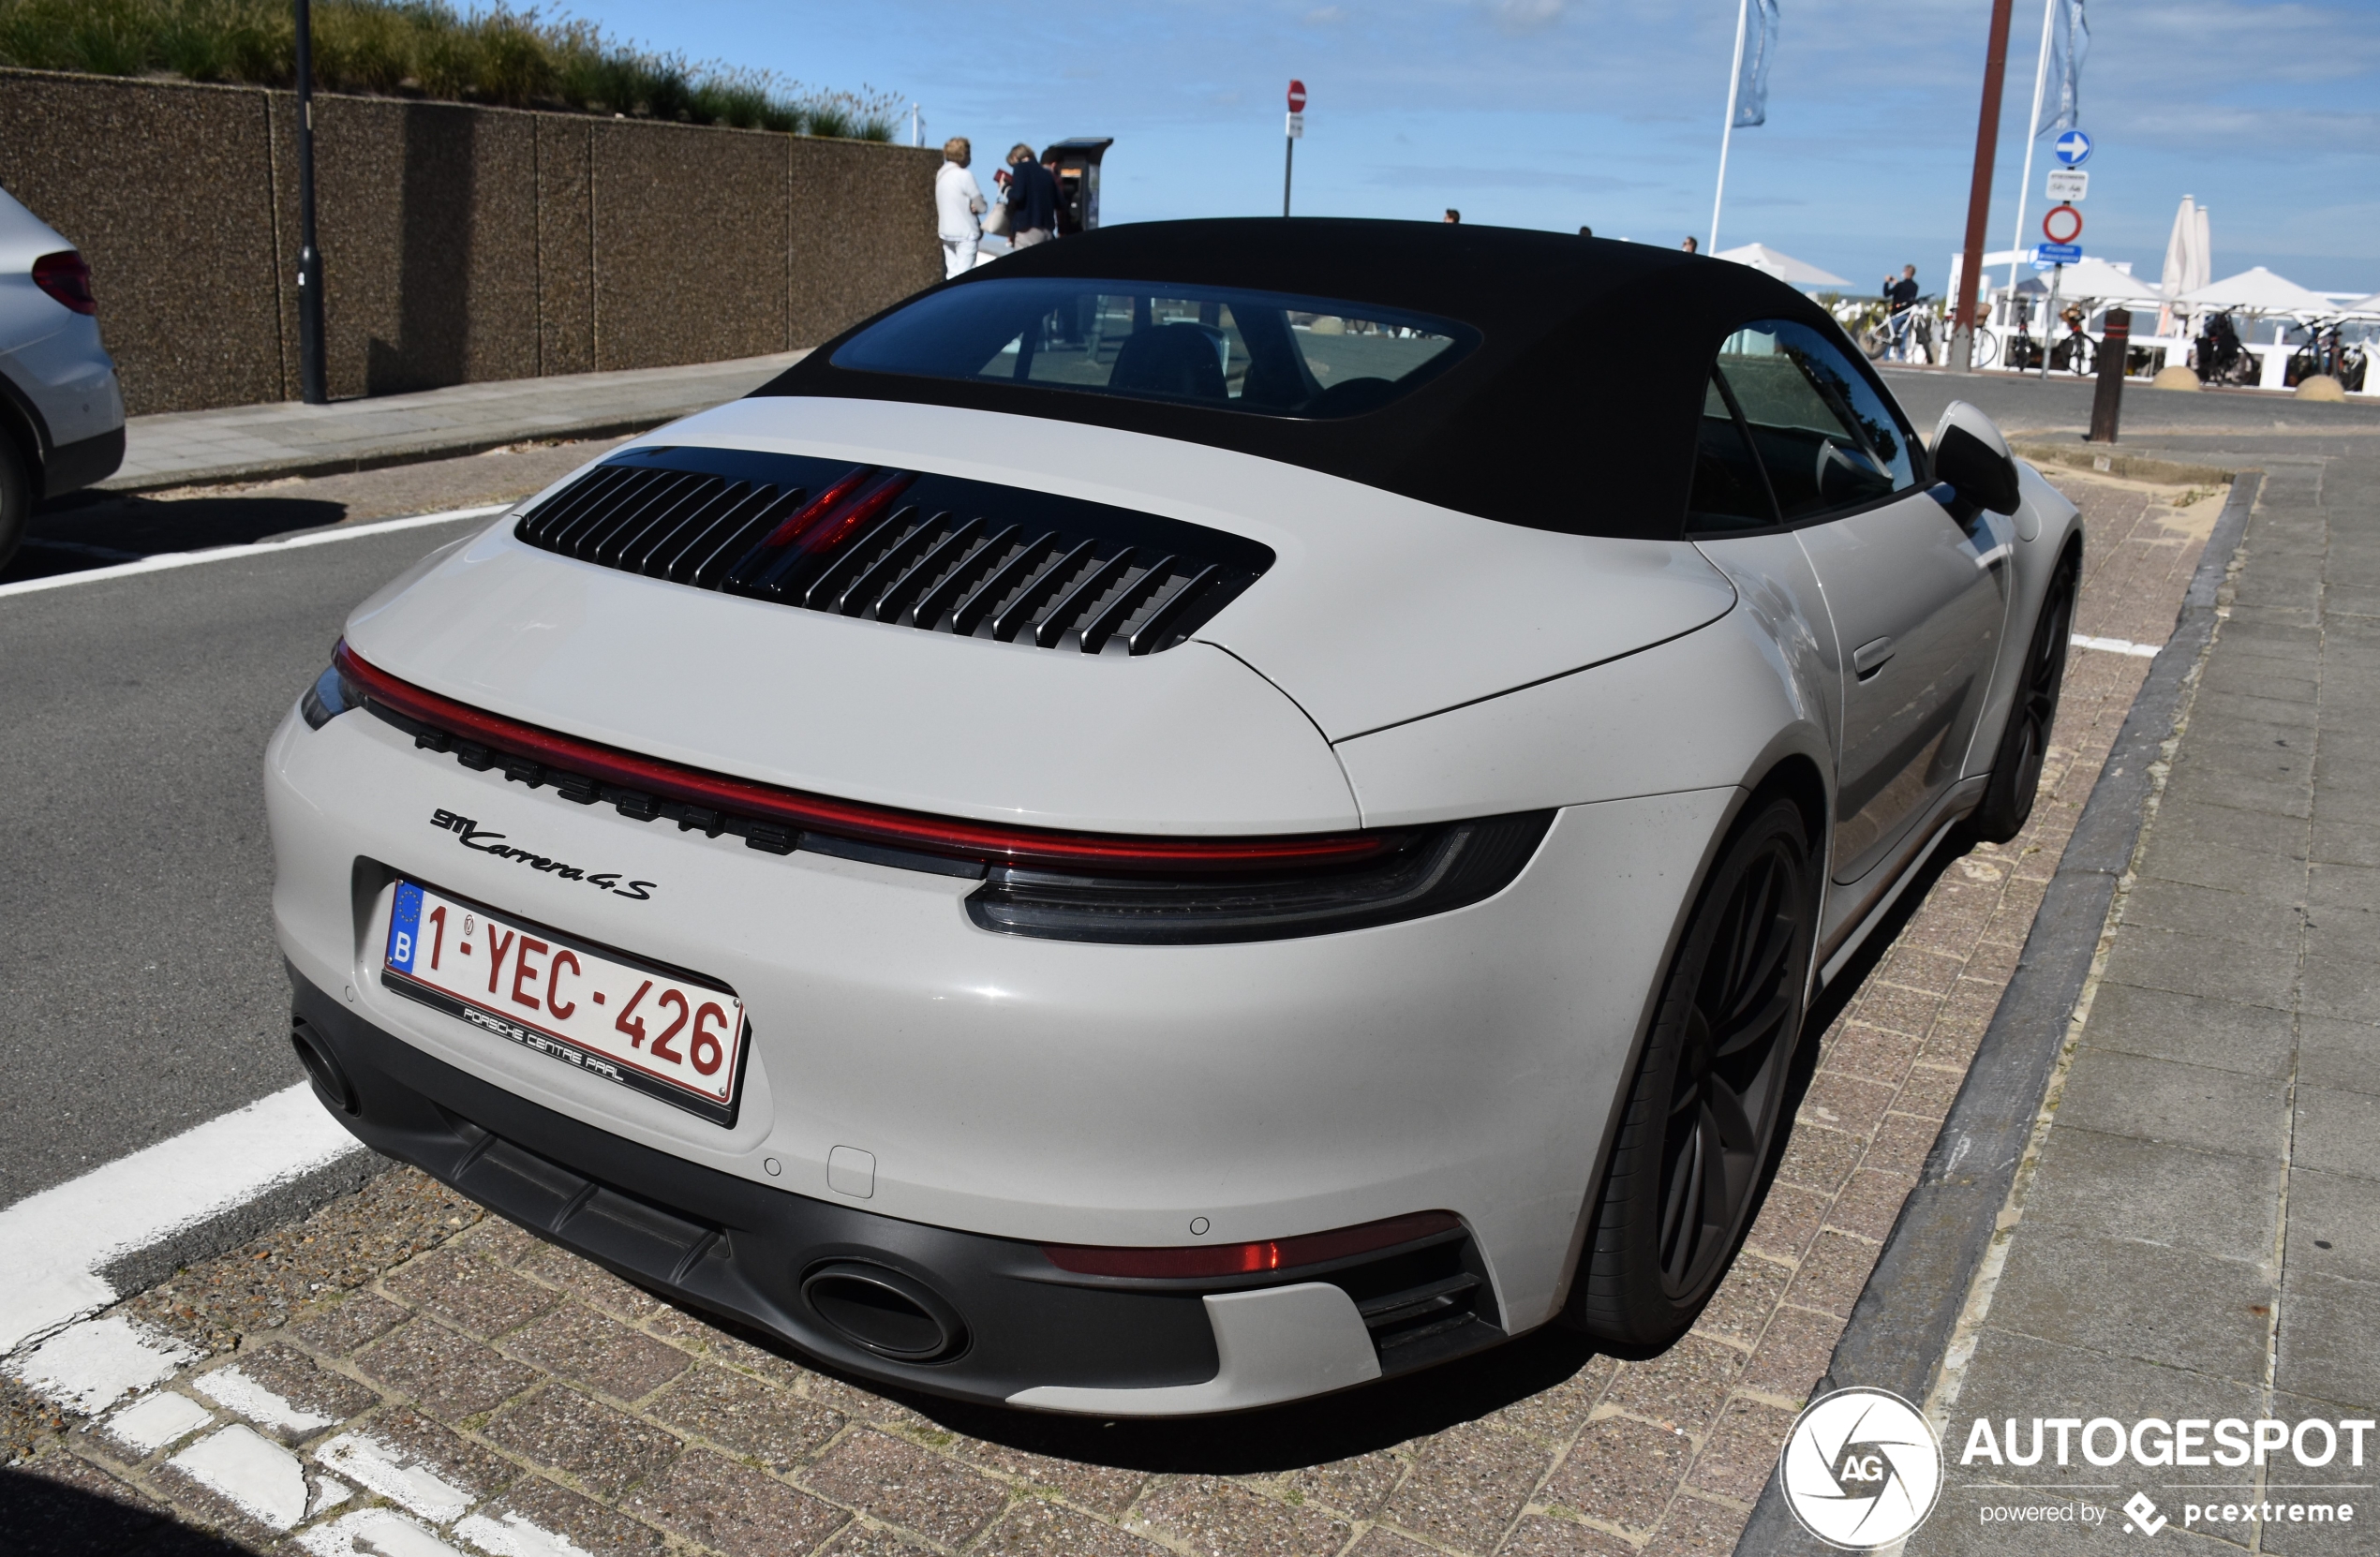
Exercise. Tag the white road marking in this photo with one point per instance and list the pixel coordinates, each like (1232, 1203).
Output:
(374, 1532)
(233, 1391)
(148, 1426)
(88, 1368)
(395, 1475)
(53, 1244)
(264, 1479)
(517, 1537)
(2116, 645)
(162, 561)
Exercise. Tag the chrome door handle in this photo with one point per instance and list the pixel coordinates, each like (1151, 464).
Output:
(1870, 658)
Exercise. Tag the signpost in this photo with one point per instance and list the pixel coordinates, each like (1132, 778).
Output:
(314, 385)
(2073, 148)
(2059, 216)
(2047, 255)
(2067, 185)
(1297, 133)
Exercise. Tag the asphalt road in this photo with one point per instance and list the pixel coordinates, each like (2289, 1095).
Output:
(141, 990)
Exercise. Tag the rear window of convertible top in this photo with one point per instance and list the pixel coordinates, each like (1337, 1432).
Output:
(1265, 353)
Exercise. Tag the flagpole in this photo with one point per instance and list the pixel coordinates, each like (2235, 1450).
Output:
(1734, 84)
(2032, 135)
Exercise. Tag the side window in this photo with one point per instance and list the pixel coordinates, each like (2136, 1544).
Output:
(1730, 492)
(1825, 437)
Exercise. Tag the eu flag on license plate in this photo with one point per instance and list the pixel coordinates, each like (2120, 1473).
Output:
(404, 927)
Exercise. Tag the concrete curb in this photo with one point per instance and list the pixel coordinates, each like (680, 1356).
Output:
(415, 453)
(1905, 1316)
(2134, 468)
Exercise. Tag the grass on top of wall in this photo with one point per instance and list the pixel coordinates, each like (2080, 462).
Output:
(424, 49)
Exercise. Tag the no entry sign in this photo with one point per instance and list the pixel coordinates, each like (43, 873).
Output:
(1297, 97)
(2063, 224)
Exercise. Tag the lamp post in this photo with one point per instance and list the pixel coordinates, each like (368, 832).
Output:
(313, 375)
(1962, 327)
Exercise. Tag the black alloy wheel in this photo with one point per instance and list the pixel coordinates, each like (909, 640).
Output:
(16, 499)
(2024, 743)
(1701, 1116)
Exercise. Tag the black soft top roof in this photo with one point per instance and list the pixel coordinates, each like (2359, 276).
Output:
(1578, 412)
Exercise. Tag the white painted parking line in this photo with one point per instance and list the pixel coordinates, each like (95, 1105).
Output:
(259, 1476)
(54, 1243)
(149, 1425)
(2116, 645)
(165, 560)
(90, 1366)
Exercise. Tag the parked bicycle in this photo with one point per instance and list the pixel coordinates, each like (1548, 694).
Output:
(2326, 353)
(1902, 337)
(2222, 358)
(2075, 352)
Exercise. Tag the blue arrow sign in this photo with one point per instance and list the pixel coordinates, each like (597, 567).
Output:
(2047, 254)
(2073, 148)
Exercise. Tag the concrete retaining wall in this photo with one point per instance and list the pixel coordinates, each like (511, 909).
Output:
(460, 242)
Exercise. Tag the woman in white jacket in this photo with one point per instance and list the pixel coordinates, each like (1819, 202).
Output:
(959, 206)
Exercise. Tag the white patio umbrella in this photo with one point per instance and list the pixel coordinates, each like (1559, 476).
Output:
(2368, 308)
(1793, 272)
(2189, 258)
(2093, 280)
(2257, 290)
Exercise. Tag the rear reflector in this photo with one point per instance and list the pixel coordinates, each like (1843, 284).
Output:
(1250, 1259)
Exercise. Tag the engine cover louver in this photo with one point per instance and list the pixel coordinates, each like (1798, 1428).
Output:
(937, 552)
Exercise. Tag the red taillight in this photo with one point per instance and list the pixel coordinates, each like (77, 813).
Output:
(798, 523)
(1249, 1259)
(994, 845)
(66, 276)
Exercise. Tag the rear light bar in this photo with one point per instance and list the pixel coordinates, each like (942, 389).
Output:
(1250, 1259)
(67, 277)
(873, 824)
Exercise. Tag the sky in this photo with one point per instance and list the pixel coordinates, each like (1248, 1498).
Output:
(1551, 113)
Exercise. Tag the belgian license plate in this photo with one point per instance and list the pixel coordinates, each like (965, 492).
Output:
(663, 1031)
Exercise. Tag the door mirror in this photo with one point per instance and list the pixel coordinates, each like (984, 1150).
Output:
(1970, 456)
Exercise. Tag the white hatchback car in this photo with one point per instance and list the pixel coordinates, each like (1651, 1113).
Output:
(1212, 812)
(61, 413)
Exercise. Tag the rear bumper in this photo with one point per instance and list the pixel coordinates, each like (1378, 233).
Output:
(1023, 1332)
(72, 466)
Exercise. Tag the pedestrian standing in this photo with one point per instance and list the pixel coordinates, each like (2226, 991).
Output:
(1692, 246)
(1586, 232)
(959, 207)
(1900, 300)
(1454, 215)
(1033, 198)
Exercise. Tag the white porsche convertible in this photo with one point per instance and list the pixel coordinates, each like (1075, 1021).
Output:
(1209, 813)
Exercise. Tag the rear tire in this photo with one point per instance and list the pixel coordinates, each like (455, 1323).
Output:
(1702, 1113)
(2024, 742)
(16, 499)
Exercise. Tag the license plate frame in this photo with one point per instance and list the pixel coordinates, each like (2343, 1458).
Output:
(565, 1039)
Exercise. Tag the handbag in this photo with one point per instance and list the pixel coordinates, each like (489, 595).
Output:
(996, 220)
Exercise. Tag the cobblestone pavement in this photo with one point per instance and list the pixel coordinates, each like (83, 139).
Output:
(399, 1375)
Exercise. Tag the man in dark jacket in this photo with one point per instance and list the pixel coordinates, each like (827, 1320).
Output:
(1033, 198)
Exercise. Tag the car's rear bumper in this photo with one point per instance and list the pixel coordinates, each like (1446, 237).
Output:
(88, 462)
(1024, 1332)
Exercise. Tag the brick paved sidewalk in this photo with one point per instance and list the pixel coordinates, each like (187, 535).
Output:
(398, 1358)
(2198, 1234)
(288, 438)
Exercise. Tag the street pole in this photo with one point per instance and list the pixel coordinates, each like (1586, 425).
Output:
(2049, 320)
(1970, 271)
(1726, 131)
(1289, 167)
(2032, 136)
(313, 374)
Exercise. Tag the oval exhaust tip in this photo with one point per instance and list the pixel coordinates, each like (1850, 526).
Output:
(330, 1081)
(889, 1314)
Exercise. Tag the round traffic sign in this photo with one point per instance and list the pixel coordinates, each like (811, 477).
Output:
(1297, 97)
(2065, 216)
(2073, 148)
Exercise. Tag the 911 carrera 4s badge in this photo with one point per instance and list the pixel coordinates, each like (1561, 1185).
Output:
(474, 837)
(658, 1029)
